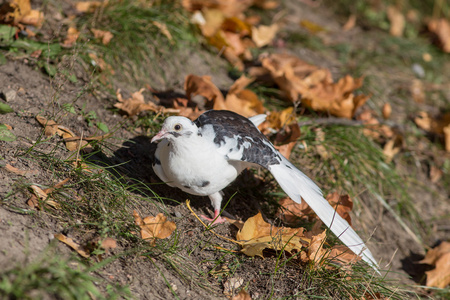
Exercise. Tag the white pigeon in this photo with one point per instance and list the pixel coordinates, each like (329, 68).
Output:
(204, 156)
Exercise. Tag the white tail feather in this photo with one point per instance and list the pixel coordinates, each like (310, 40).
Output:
(297, 185)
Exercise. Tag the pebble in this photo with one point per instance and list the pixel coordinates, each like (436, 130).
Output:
(9, 95)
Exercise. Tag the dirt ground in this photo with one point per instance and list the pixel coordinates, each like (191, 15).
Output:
(25, 232)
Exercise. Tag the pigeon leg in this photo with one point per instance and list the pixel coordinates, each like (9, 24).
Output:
(216, 200)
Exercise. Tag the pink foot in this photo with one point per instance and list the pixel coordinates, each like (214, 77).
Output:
(218, 220)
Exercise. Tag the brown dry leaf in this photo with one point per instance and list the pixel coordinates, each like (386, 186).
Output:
(230, 8)
(386, 110)
(13, 11)
(164, 30)
(263, 35)
(108, 243)
(320, 139)
(277, 120)
(50, 126)
(181, 104)
(136, 104)
(43, 195)
(243, 295)
(372, 126)
(257, 235)
(397, 21)
(100, 62)
(314, 86)
(311, 26)
(212, 21)
(291, 212)
(154, 227)
(104, 35)
(89, 6)
(240, 100)
(342, 255)
(72, 36)
(342, 204)
(350, 24)
(440, 258)
(446, 131)
(434, 125)
(441, 29)
(202, 86)
(34, 18)
(232, 285)
(316, 253)
(417, 91)
(435, 174)
(392, 147)
(14, 170)
(286, 139)
(72, 244)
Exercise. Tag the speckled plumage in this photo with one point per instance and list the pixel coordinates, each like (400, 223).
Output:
(205, 156)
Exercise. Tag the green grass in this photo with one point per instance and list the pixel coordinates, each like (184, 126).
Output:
(50, 275)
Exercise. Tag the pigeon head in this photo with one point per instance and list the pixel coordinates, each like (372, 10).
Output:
(175, 127)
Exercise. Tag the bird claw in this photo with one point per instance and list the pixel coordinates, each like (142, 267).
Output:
(214, 221)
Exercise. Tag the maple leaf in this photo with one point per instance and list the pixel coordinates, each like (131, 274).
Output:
(153, 228)
(440, 258)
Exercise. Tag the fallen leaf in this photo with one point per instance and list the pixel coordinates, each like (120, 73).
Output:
(72, 244)
(440, 258)
(441, 29)
(164, 30)
(230, 8)
(43, 195)
(386, 110)
(342, 204)
(397, 21)
(202, 86)
(286, 139)
(417, 91)
(434, 125)
(12, 12)
(71, 38)
(14, 170)
(263, 35)
(136, 104)
(101, 64)
(34, 18)
(89, 6)
(243, 295)
(105, 36)
(311, 26)
(350, 24)
(314, 86)
(212, 21)
(232, 285)
(292, 212)
(435, 174)
(240, 100)
(316, 253)
(446, 130)
(343, 256)
(108, 243)
(320, 139)
(257, 235)
(50, 126)
(372, 126)
(391, 148)
(154, 227)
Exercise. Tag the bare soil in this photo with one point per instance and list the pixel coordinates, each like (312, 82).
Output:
(25, 232)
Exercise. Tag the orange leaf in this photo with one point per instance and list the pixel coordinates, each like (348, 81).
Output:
(136, 104)
(14, 170)
(89, 6)
(440, 258)
(263, 35)
(202, 86)
(72, 36)
(72, 244)
(441, 29)
(286, 139)
(291, 212)
(342, 204)
(105, 36)
(154, 227)
(397, 21)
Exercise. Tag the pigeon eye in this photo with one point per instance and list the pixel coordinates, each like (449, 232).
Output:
(177, 127)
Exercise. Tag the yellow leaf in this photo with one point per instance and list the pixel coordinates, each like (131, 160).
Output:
(263, 35)
(154, 227)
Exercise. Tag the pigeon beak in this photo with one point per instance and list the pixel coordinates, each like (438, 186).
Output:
(159, 136)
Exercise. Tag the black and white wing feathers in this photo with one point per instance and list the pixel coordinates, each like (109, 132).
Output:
(239, 140)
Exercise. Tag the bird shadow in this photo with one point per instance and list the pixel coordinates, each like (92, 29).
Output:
(132, 164)
(416, 270)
